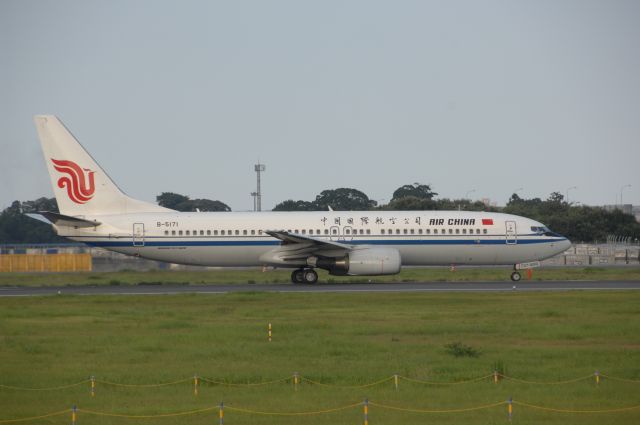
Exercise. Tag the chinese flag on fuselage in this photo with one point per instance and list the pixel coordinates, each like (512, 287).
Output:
(487, 222)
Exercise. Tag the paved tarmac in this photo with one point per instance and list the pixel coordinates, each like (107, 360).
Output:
(523, 286)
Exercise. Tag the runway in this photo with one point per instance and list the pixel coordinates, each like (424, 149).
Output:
(317, 288)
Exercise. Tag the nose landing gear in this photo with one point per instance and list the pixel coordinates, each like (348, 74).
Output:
(304, 276)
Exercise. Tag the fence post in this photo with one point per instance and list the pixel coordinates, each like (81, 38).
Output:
(74, 409)
(93, 386)
(221, 413)
(195, 384)
(395, 381)
(510, 408)
(366, 411)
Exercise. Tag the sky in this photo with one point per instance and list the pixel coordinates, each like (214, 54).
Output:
(479, 99)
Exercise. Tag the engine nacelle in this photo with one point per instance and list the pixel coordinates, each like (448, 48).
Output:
(366, 261)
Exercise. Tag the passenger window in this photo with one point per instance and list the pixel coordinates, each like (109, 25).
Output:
(260, 231)
(201, 232)
(477, 231)
(237, 232)
(451, 231)
(311, 231)
(334, 231)
(368, 231)
(253, 232)
(179, 232)
(413, 231)
(229, 232)
(244, 232)
(464, 231)
(173, 233)
(397, 231)
(222, 232)
(382, 231)
(297, 231)
(326, 231)
(404, 231)
(195, 233)
(435, 231)
(187, 233)
(215, 233)
(484, 231)
(419, 231)
(347, 231)
(208, 232)
(166, 232)
(427, 231)
(457, 231)
(318, 232)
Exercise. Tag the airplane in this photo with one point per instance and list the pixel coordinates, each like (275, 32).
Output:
(93, 210)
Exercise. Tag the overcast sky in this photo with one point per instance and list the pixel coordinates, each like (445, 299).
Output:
(478, 97)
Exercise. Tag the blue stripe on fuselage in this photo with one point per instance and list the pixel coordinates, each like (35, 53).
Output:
(390, 242)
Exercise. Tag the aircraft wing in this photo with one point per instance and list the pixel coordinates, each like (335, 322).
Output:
(297, 248)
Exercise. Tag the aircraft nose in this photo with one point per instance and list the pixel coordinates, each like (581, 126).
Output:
(565, 244)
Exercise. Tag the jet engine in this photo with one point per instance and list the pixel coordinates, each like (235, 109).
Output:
(366, 261)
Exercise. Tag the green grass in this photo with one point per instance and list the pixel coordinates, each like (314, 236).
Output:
(337, 339)
(233, 276)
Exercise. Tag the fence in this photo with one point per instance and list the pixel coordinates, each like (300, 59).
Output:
(53, 262)
(366, 405)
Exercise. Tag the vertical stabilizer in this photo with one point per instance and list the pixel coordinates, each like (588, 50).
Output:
(80, 185)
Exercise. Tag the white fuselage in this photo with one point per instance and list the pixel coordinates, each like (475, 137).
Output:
(238, 239)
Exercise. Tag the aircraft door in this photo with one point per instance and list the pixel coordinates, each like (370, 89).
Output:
(511, 232)
(138, 234)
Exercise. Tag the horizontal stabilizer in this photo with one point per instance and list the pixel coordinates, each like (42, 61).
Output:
(63, 220)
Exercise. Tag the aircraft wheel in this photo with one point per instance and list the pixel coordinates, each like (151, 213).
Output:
(310, 276)
(515, 276)
(297, 276)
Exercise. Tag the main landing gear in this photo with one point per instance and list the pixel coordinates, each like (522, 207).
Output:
(304, 276)
(515, 276)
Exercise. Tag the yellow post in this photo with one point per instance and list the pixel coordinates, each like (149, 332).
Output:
(597, 377)
(495, 376)
(221, 413)
(269, 332)
(395, 381)
(366, 411)
(93, 386)
(295, 381)
(510, 408)
(73, 415)
(195, 384)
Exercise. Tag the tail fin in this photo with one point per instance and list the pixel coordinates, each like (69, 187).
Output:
(80, 185)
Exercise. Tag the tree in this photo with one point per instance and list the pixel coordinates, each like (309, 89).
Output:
(410, 203)
(16, 227)
(416, 190)
(179, 202)
(343, 199)
(291, 205)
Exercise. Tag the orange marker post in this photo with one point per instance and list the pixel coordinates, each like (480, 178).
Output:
(495, 376)
(74, 415)
(366, 411)
(510, 408)
(221, 413)
(269, 332)
(93, 386)
(195, 385)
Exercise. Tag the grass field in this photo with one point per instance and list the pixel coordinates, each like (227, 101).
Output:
(336, 339)
(227, 276)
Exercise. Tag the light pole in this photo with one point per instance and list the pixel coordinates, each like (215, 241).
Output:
(466, 196)
(568, 189)
(621, 189)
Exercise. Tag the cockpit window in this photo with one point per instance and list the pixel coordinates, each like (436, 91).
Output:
(542, 230)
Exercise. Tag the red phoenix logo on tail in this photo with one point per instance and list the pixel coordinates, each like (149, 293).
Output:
(80, 186)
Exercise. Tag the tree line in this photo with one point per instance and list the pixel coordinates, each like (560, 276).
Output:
(578, 223)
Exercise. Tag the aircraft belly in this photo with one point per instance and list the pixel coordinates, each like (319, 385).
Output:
(200, 256)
